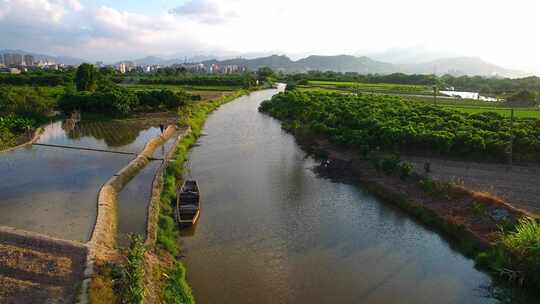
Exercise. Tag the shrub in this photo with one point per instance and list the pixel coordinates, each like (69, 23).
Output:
(108, 99)
(389, 164)
(520, 254)
(405, 170)
(176, 289)
(131, 287)
(162, 98)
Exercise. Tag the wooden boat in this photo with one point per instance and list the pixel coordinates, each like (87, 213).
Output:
(187, 204)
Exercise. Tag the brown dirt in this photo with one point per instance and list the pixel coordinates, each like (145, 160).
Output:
(517, 186)
(39, 269)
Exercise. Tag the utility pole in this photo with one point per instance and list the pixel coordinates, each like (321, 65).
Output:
(435, 94)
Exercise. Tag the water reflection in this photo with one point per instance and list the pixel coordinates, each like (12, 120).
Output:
(273, 231)
(54, 190)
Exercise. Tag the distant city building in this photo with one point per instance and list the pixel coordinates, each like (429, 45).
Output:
(28, 60)
(121, 68)
(13, 60)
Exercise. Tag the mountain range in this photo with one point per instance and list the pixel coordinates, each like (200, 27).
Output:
(340, 63)
(346, 63)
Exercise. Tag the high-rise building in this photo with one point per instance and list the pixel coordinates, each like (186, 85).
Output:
(28, 60)
(12, 60)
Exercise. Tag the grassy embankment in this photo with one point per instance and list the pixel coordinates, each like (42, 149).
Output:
(470, 106)
(500, 237)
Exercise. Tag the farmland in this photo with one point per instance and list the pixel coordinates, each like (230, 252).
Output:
(395, 124)
(420, 94)
(375, 87)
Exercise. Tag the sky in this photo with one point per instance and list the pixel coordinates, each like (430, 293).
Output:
(501, 32)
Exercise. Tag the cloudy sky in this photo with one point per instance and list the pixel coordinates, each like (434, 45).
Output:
(503, 32)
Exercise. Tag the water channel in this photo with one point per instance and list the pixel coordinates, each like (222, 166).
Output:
(272, 231)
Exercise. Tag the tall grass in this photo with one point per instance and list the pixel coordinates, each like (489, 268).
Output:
(176, 290)
(525, 240)
(517, 254)
(131, 287)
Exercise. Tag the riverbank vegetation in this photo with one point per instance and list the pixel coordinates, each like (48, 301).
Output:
(394, 124)
(502, 238)
(21, 110)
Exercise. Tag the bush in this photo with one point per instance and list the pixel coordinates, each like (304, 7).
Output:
(162, 98)
(24, 102)
(389, 164)
(405, 170)
(131, 285)
(176, 289)
(107, 99)
(519, 253)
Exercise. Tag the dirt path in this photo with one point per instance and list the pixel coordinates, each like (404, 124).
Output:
(519, 186)
(36, 268)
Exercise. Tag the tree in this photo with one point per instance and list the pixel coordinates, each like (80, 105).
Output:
(86, 77)
(523, 98)
(264, 73)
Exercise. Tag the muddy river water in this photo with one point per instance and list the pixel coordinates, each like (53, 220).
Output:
(272, 231)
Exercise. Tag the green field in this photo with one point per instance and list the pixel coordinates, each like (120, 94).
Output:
(376, 87)
(471, 106)
(172, 87)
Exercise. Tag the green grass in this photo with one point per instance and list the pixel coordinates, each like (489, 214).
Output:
(516, 255)
(176, 290)
(131, 283)
(471, 106)
(371, 86)
(142, 87)
(525, 241)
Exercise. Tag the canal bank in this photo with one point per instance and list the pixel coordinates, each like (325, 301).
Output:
(274, 230)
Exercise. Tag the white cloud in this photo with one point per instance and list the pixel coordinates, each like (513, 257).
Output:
(32, 12)
(206, 11)
(495, 30)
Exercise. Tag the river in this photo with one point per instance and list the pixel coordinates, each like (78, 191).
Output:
(272, 231)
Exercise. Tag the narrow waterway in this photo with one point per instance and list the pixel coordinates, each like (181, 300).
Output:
(272, 231)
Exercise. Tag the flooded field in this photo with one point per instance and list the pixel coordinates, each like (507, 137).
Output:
(53, 190)
(273, 231)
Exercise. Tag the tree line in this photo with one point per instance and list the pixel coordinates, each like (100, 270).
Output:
(394, 124)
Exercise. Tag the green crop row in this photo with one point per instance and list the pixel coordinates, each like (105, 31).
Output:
(392, 123)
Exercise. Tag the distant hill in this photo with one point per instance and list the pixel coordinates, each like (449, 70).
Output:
(456, 66)
(459, 66)
(68, 60)
(346, 63)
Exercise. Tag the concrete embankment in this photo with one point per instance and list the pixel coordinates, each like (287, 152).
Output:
(103, 237)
